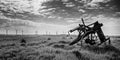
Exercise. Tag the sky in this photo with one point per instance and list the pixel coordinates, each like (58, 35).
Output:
(58, 15)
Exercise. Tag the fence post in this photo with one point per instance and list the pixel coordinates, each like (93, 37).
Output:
(16, 31)
(22, 32)
(36, 32)
(6, 31)
(56, 33)
(46, 32)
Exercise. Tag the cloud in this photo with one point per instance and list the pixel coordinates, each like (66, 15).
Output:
(77, 8)
(22, 9)
(41, 9)
(60, 8)
(31, 26)
(22, 5)
(51, 14)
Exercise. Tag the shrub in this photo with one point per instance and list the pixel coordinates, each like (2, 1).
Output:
(49, 39)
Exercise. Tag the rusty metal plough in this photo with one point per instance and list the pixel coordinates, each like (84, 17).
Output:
(90, 34)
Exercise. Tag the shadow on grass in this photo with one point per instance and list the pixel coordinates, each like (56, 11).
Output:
(79, 55)
(104, 49)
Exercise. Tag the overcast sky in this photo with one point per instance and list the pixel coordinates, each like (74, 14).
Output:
(58, 15)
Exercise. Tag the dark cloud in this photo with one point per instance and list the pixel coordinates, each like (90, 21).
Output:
(63, 9)
(58, 10)
(115, 4)
(71, 8)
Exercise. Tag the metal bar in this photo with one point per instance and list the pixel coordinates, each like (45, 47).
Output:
(83, 21)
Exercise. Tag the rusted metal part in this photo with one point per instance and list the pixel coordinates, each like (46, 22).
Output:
(87, 33)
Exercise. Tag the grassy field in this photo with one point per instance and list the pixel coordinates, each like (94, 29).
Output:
(51, 47)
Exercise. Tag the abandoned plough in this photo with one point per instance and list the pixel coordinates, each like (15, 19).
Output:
(91, 34)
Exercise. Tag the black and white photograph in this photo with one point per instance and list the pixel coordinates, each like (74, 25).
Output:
(59, 29)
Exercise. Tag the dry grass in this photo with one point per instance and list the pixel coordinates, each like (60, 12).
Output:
(55, 49)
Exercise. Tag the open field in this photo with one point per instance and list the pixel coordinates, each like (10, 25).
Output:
(51, 47)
